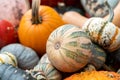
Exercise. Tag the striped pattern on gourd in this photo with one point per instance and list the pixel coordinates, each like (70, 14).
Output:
(104, 33)
(8, 58)
(68, 48)
(45, 71)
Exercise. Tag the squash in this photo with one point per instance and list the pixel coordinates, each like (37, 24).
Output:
(13, 10)
(8, 58)
(97, 8)
(103, 32)
(98, 57)
(8, 34)
(45, 71)
(94, 75)
(36, 25)
(68, 48)
(9, 72)
(27, 58)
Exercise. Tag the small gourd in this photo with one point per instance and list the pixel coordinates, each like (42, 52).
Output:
(36, 25)
(103, 32)
(9, 72)
(68, 48)
(27, 58)
(8, 58)
(94, 75)
(45, 70)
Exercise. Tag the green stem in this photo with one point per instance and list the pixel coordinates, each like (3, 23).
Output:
(35, 12)
(111, 12)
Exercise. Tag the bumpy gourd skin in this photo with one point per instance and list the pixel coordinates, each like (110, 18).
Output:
(8, 72)
(94, 75)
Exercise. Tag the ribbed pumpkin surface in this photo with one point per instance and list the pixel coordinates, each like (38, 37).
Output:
(68, 48)
(95, 75)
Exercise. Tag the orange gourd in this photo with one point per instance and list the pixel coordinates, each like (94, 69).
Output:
(95, 75)
(36, 25)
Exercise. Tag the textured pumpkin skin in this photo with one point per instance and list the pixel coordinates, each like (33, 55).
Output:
(8, 58)
(94, 75)
(104, 33)
(26, 57)
(9, 72)
(36, 35)
(68, 48)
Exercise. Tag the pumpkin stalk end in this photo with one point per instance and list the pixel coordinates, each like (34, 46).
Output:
(35, 12)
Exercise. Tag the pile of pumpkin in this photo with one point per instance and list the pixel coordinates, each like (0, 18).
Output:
(49, 49)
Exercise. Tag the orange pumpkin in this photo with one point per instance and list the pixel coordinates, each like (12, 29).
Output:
(95, 75)
(36, 25)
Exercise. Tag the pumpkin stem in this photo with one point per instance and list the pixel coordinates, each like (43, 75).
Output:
(35, 12)
(111, 12)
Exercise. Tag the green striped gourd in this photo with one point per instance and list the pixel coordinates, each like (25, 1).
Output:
(45, 71)
(8, 58)
(68, 48)
(103, 32)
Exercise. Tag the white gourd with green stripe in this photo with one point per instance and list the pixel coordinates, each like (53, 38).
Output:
(68, 48)
(103, 32)
(8, 58)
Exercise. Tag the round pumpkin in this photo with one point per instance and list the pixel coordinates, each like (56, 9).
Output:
(27, 58)
(13, 10)
(36, 25)
(8, 34)
(103, 32)
(68, 48)
(8, 58)
(94, 75)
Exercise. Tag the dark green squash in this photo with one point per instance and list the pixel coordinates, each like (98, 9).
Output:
(26, 57)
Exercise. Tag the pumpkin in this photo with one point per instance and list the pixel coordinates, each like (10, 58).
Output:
(94, 75)
(8, 34)
(36, 25)
(68, 48)
(8, 58)
(103, 32)
(97, 8)
(13, 10)
(27, 58)
(9, 72)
